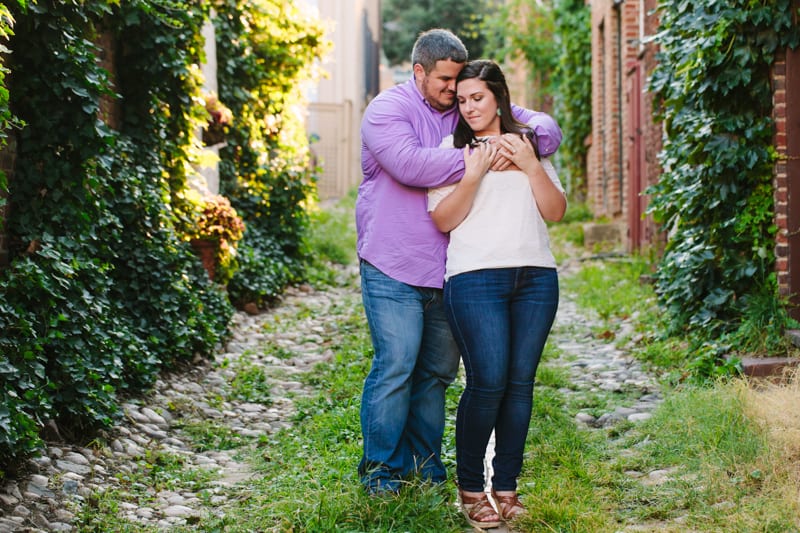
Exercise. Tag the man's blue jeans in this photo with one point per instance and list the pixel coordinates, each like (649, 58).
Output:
(500, 319)
(402, 405)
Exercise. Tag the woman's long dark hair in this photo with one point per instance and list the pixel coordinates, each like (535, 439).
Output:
(489, 72)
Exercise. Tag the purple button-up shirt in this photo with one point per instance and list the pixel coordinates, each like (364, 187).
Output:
(400, 160)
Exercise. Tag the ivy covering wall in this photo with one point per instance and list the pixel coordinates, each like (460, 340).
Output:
(103, 290)
(715, 196)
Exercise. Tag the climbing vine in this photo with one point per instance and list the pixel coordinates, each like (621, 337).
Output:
(7, 120)
(573, 99)
(100, 292)
(267, 52)
(103, 290)
(715, 194)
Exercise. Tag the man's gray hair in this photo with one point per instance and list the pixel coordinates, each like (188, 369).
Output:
(437, 45)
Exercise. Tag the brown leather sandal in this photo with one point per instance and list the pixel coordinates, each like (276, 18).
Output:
(479, 511)
(508, 507)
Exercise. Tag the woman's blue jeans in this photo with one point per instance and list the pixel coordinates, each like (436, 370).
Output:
(500, 319)
(402, 404)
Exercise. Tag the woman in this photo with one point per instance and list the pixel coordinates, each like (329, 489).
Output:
(501, 287)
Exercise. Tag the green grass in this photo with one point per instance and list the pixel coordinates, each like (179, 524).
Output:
(720, 471)
(208, 435)
(612, 288)
(250, 384)
(331, 239)
(718, 461)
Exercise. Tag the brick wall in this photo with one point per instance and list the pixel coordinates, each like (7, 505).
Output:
(651, 130)
(786, 174)
(616, 38)
(629, 46)
(604, 170)
(623, 154)
(780, 179)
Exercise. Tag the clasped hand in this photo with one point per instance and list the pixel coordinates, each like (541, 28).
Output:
(514, 152)
(509, 151)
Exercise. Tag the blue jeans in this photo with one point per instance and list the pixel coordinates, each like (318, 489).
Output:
(402, 405)
(500, 319)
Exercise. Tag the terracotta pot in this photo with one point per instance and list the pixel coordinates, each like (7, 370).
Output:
(207, 251)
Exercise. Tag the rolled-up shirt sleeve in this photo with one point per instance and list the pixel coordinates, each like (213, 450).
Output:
(548, 132)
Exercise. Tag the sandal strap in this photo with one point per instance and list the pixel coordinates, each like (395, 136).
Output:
(508, 506)
(477, 509)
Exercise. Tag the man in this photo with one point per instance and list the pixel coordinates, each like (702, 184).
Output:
(402, 263)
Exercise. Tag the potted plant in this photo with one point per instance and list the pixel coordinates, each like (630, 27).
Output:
(220, 118)
(217, 232)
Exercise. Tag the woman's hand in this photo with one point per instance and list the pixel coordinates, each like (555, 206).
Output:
(454, 207)
(477, 161)
(518, 150)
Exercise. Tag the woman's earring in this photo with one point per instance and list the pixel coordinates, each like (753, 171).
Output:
(499, 113)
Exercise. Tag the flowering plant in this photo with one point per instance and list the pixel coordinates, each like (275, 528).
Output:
(218, 221)
(220, 118)
(217, 224)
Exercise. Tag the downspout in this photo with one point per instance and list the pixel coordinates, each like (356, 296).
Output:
(620, 137)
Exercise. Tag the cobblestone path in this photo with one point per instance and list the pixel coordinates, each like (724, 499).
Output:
(65, 478)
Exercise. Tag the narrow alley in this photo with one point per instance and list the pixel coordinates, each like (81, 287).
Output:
(68, 477)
